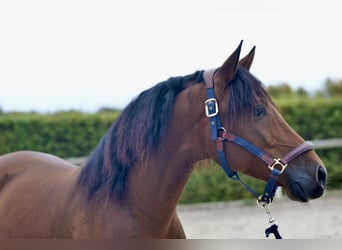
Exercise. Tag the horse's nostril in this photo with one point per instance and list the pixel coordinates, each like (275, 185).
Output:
(321, 176)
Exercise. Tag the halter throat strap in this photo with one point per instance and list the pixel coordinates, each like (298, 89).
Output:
(220, 135)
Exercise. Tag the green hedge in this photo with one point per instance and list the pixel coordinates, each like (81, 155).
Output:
(313, 118)
(69, 134)
(65, 134)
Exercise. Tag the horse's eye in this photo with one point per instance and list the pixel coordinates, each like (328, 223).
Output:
(259, 111)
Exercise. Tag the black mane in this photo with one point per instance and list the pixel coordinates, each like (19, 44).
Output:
(137, 130)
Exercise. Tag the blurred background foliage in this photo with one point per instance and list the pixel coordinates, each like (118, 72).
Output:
(315, 115)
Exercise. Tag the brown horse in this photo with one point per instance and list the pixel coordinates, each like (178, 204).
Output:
(130, 186)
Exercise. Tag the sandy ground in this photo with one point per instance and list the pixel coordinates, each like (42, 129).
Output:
(317, 219)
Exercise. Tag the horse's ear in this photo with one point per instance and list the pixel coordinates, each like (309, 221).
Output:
(247, 61)
(227, 71)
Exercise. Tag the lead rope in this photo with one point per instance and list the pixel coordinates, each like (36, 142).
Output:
(272, 222)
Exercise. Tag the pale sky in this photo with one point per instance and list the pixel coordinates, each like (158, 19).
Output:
(79, 54)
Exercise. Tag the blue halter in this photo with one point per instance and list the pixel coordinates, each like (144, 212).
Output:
(220, 135)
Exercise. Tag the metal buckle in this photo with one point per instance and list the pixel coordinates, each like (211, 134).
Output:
(278, 162)
(209, 109)
(223, 131)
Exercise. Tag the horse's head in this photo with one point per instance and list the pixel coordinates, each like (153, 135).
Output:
(246, 110)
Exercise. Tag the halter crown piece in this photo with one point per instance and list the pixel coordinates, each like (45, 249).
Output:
(276, 165)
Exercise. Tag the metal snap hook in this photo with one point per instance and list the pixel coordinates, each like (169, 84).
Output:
(262, 203)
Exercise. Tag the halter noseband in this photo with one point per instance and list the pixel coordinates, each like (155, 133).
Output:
(219, 134)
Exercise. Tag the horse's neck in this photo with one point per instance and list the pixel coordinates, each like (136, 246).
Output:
(156, 184)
